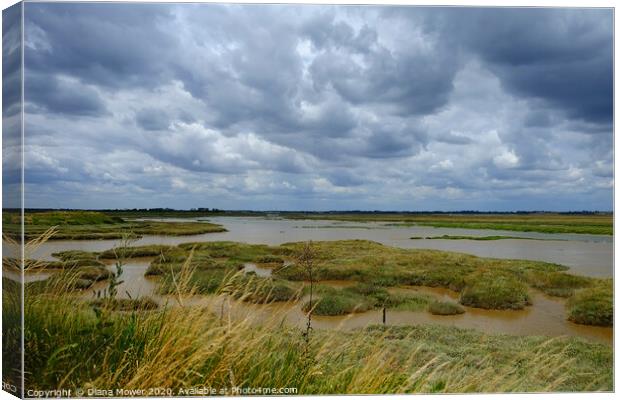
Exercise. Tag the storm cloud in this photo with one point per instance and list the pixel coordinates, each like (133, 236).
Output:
(318, 107)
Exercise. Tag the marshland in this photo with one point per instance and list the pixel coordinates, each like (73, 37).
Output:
(178, 300)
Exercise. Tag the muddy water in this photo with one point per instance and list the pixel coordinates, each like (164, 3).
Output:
(590, 255)
(259, 271)
(134, 283)
(545, 318)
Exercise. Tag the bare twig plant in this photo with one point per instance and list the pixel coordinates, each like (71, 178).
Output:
(306, 259)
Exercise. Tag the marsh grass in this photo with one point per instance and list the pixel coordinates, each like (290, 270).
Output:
(492, 289)
(364, 297)
(482, 282)
(92, 225)
(559, 284)
(481, 238)
(69, 344)
(596, 224)
(143, 251)
(438, 307)
(141, 303)
(593, 305)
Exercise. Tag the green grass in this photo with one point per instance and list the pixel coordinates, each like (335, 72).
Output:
(152, 250)
(559, 284)
(593, 305)
(71, 280)
(139, 304)
(438, 307)
(65, 264)
(595, 224)
(71, 255)
(11, 333)
(210, 276)
(361, 298)
(92, 225)
(331, 301)
(495, 289)
(483, 238)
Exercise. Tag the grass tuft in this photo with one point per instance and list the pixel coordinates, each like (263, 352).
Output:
(493, 289)
(593, 305)
(445, 308)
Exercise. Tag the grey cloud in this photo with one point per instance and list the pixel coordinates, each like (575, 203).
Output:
(152, 119)
(63, 96)
(109, 46)
(452, 138)
(562, 56)
(306, 106)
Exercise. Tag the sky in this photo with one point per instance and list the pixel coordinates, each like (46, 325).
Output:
(276, 107)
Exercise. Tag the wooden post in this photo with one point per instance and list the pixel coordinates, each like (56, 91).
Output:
(384, 315)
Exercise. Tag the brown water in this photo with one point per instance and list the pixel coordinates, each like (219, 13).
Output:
(134, 283)
(545, 317)
(259, 271)
(590, 255)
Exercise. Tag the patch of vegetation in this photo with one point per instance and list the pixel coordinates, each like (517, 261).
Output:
(559, 284)
(69, 255)
(92, 225)
(495, 289)
(438, 307)
(457, 237)
(593, 305)
(361, 298)
(332, 301)
(37, 265)
(240, 252)
(366, 261)
(94, 273)
(591, 223)
(143, 251)
(70, 280)
(139, 304)
(211, 274)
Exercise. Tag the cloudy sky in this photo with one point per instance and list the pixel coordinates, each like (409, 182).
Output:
(318, 107)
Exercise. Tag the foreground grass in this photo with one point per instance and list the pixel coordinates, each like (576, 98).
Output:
(68, 345)
(92, 225)
(595, 224)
